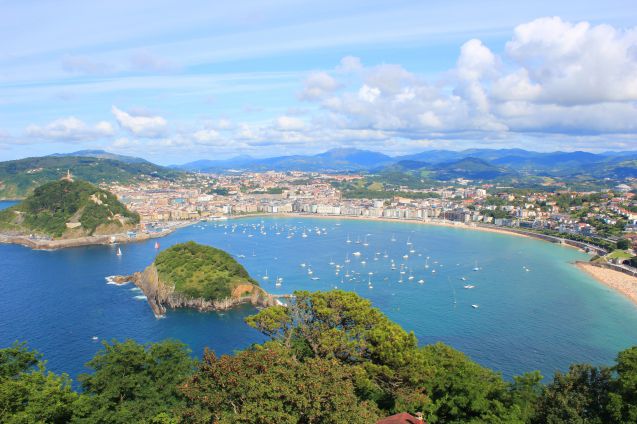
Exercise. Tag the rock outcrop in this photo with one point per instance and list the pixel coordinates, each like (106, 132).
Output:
(162, 296)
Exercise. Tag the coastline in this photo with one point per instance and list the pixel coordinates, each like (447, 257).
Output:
(622, 283)
(107, 239)
(449, 224)
(618, 281)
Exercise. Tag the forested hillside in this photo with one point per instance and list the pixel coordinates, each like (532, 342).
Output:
(68, 208)
(20, 177)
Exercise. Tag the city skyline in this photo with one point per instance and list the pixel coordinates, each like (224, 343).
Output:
(179, 84)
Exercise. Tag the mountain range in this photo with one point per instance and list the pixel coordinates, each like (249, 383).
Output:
(19, 177)
(492, 161)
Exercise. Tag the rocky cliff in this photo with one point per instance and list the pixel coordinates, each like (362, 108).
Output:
(162, 296)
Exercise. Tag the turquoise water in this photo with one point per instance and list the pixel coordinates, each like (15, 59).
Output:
(544, 318)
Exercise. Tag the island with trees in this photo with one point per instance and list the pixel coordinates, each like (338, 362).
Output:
(191, 275)
(331, 358)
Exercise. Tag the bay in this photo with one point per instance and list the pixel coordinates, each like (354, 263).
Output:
(536, 310)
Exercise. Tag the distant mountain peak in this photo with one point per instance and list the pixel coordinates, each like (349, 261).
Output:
(101, 154)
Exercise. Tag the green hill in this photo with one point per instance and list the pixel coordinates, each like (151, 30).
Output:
(19, 177)
(68, 209)
(204, 272)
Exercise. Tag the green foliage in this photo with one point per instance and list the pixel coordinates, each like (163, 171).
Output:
(17, 359)
(52, 205)
(200, 271)
(463, 391)
(495, 213)
(133, 382)
(579, 396)
(623, 399)
(275, 190)
(623, 244)
(333, 358)
(391, 370)
(266, 384)
(219, 191)
(28, 393)
(20, 177)
(525, 391)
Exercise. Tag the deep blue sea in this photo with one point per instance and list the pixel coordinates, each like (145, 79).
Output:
(535, 309)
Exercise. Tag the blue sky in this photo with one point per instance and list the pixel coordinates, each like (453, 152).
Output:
(179, 81)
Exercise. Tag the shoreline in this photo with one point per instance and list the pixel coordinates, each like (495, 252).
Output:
(622, 283)
(96, 240)
(615, 280)
(450, 224)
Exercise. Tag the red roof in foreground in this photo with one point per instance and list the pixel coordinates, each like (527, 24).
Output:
(402, 418)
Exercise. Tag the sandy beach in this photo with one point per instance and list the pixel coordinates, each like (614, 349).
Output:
(393, 220)
(623, 283)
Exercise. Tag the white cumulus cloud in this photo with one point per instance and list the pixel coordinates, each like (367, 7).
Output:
(317, 85)
(576, 63)
(140, 125)
(289, 123)
(70, 129)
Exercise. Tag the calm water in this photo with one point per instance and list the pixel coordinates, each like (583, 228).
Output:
(544, 318)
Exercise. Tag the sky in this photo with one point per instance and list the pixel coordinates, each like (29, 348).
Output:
(180, 81)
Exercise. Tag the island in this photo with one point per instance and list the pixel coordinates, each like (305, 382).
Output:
(191, 275)
(67, 213)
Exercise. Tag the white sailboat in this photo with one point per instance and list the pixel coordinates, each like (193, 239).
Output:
(265, 277)
(476, 268)
(119, 252)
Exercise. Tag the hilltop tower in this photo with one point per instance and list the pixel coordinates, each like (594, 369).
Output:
(68, 177)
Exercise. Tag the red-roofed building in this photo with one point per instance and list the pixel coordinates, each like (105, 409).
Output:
(403, 418)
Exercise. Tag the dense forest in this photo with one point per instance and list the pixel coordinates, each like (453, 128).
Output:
(200, 271)
(331, 358)
(51, 206)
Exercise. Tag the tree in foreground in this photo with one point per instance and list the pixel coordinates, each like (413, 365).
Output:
(132, 382)
(265, 384)
(29, 393)
(332, 358)
(391, 370)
